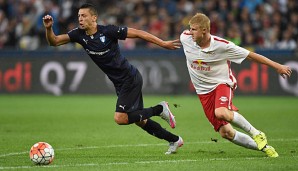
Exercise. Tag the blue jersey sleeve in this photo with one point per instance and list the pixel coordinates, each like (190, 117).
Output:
(116, 32)
(73, 34)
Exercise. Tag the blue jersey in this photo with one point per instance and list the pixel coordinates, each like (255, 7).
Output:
(104, 50)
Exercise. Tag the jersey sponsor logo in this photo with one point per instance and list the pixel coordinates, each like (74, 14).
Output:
(90, 52)
(200, 62)
(102, 39)
(200, 65)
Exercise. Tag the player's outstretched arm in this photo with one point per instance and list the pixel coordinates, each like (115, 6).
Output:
(283, 70)
(52, 39)
(171, 44)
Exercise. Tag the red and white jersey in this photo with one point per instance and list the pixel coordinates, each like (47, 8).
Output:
(211, 66)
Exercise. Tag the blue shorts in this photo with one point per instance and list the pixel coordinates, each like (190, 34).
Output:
(130, 95)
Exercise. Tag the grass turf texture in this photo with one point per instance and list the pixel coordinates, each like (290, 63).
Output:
(84, 135)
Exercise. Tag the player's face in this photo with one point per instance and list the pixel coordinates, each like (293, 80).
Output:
(86, 19)
(196, 32)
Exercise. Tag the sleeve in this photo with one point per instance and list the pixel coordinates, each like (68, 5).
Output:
(116, 32)
(184, 37)
(73, 35)
(236, 53)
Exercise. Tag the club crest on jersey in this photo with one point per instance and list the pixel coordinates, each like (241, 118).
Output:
(223, 99)
(103, 39)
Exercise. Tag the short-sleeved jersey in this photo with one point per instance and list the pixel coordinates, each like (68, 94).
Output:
(211, 66)
(104, 50)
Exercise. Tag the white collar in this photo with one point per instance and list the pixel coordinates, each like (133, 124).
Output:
(208, 48)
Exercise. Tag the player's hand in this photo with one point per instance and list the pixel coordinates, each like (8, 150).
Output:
(284, 71)
(48, 21)
(172, 44)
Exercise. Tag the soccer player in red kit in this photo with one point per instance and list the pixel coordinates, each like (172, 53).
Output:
(208, 59)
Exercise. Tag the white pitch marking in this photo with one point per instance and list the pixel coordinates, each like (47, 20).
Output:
(96, 147)
(126, 163)
(135, 145)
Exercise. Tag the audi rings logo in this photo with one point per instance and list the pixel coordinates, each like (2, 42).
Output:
(290, 87)
(158, 76)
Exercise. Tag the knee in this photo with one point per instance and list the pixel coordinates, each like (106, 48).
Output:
(223, 113)
(121, 118)
(228, 134)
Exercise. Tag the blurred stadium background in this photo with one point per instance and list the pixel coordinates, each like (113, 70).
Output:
(29, 65)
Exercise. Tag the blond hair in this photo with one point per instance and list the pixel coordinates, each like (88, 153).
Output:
(201, 20)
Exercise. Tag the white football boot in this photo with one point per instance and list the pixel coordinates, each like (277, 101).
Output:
(173, 146)
(167, 115)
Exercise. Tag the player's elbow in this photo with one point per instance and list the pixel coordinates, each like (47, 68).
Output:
(52, 43)
(56, 41)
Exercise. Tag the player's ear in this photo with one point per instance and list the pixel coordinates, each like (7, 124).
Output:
(94, 18)
(204, 30)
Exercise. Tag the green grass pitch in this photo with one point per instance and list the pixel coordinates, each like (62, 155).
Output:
(84, 135)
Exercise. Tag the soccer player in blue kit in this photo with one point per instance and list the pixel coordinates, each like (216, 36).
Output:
(101, 44)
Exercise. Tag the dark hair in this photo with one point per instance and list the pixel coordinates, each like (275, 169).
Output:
(91, 7)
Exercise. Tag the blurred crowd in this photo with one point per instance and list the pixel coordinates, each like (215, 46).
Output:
(271, 24)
